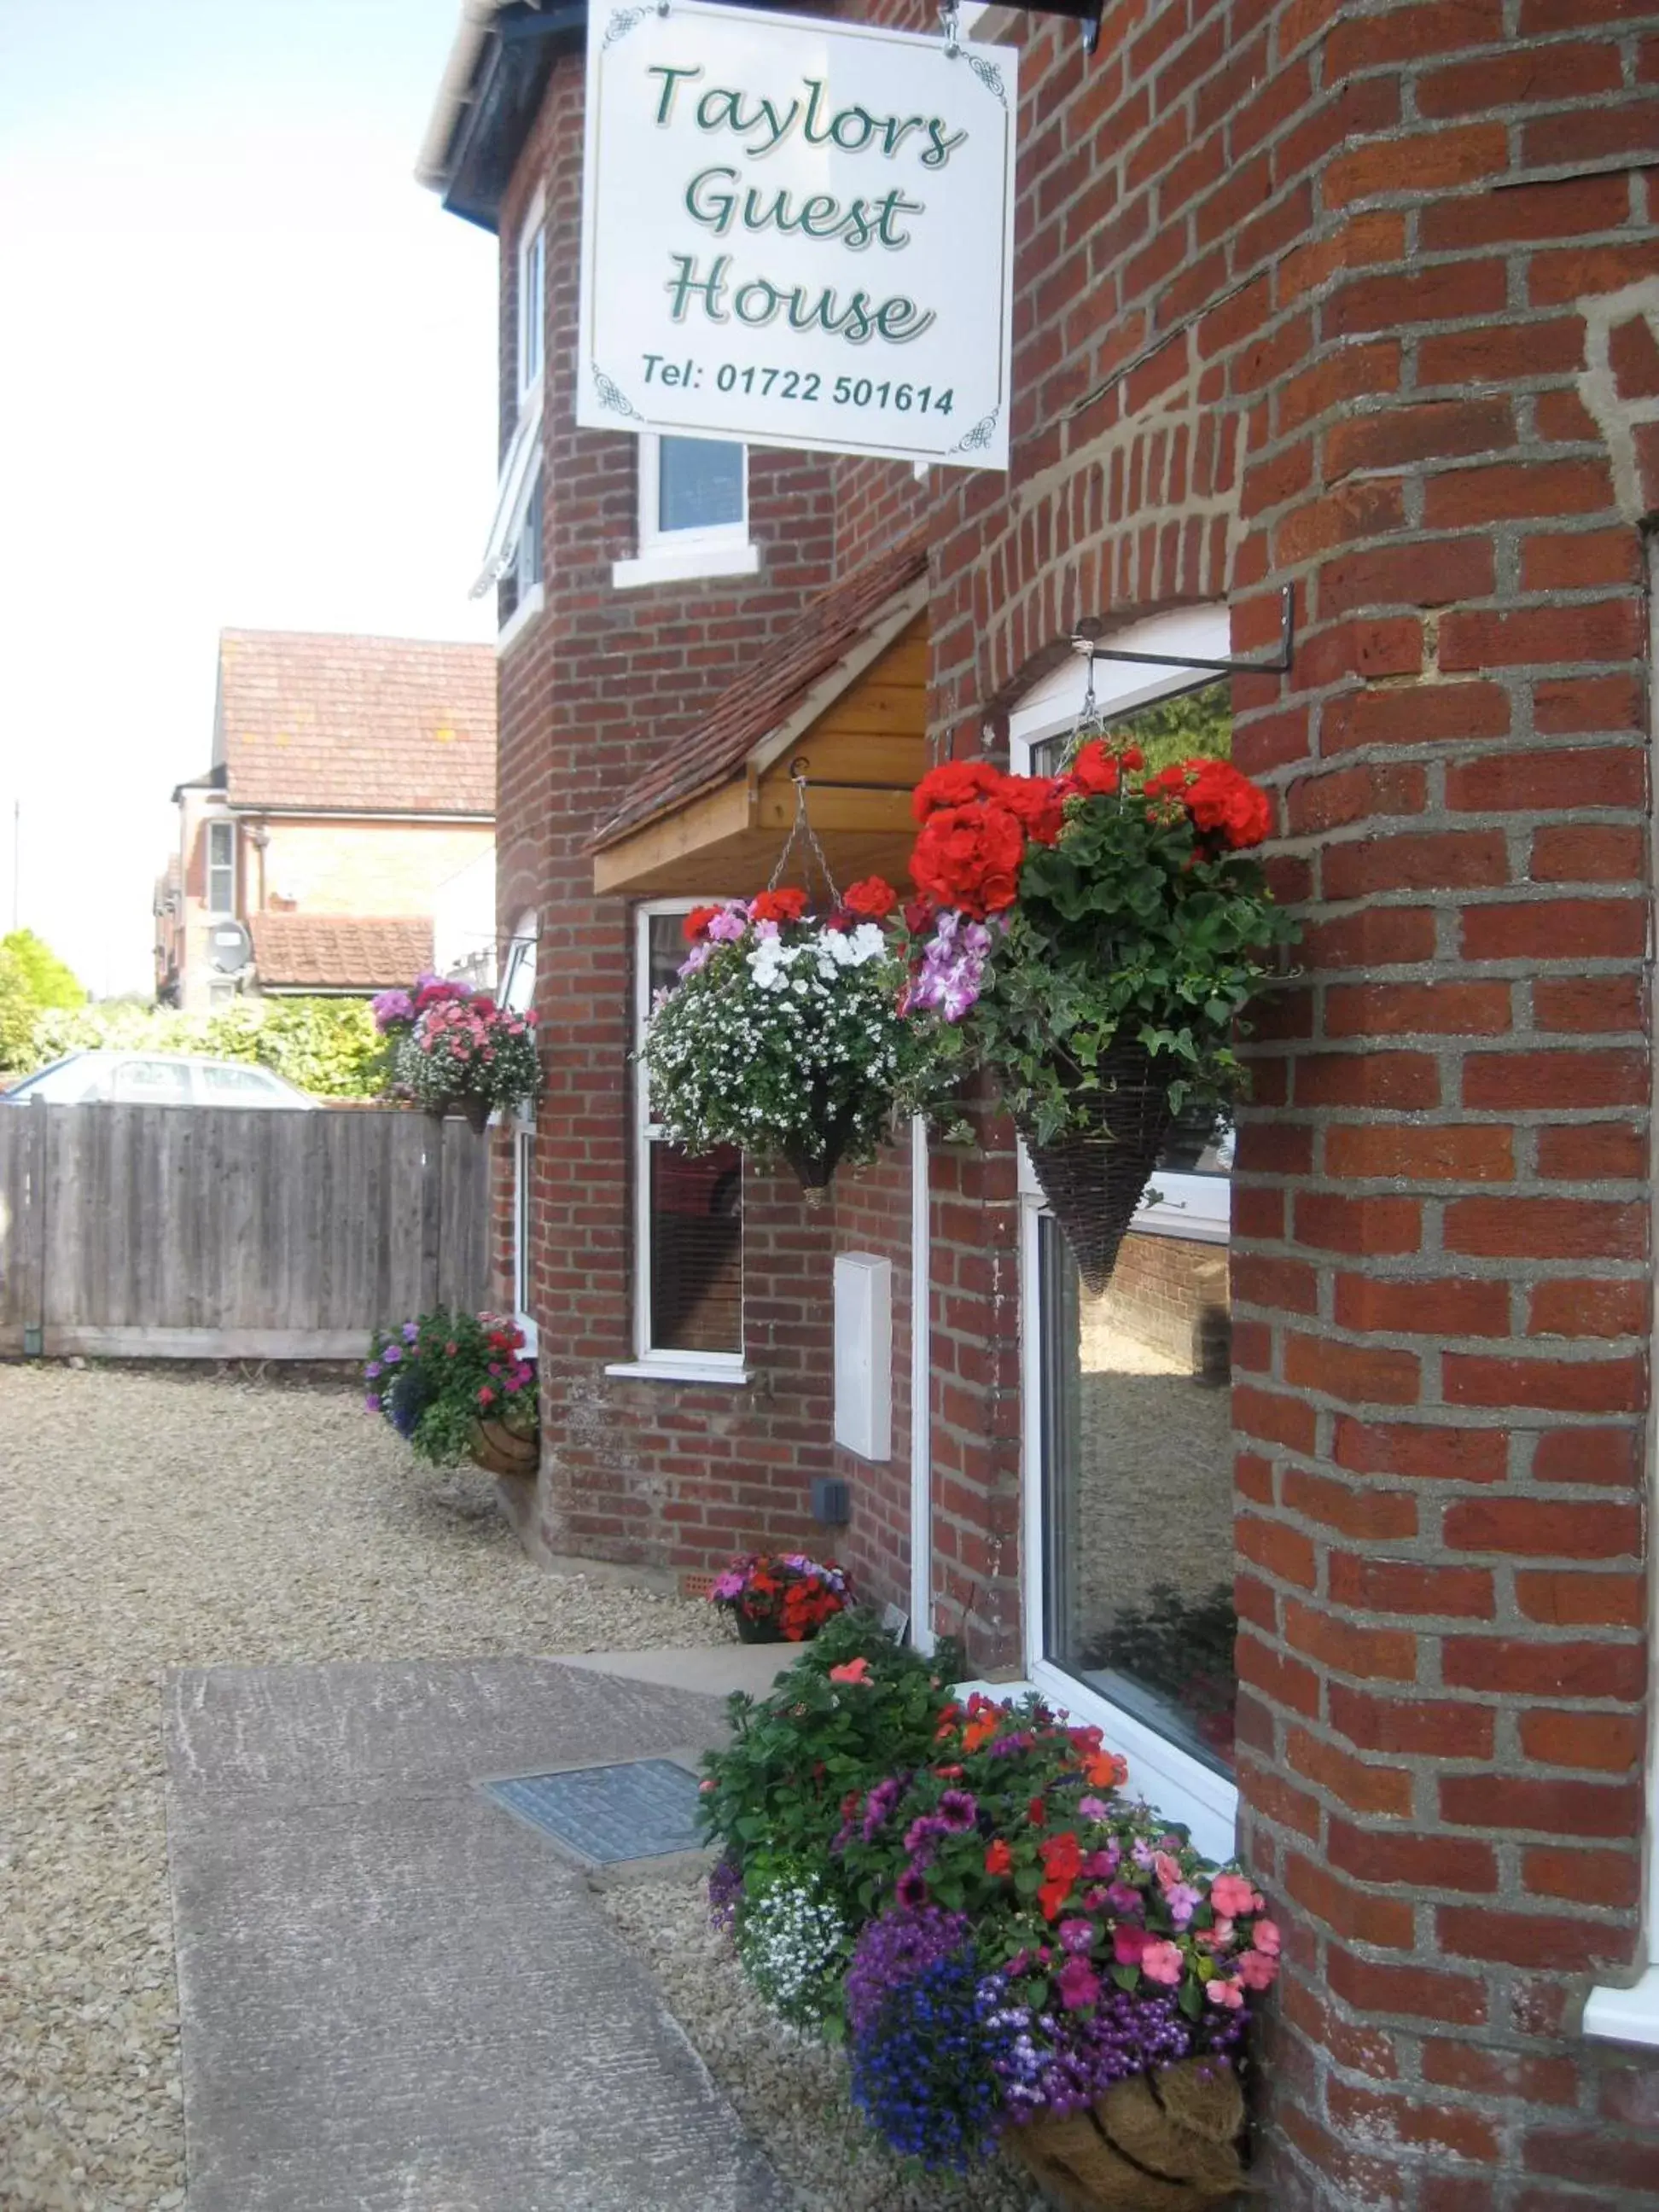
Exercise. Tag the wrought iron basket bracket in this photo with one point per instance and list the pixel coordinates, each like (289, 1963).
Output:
(1278, 664)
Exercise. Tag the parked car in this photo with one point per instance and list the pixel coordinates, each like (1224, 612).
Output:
(154, 1079)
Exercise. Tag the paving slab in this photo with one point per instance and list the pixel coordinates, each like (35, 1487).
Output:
(394, 1997)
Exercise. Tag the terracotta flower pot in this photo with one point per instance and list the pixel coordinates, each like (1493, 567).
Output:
(500, 1450)
(1157, 2142)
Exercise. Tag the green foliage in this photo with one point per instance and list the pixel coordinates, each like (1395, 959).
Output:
(1198, 725)
(796, 1755)
(1131, 929)
(50, 982)
(329, 1046)
(33, 983)
(18, 1013)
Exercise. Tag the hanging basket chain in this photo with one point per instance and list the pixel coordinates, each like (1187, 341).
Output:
(801, 832)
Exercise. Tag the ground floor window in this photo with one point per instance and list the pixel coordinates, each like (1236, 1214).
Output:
(689, 1238)
(1128, 1445)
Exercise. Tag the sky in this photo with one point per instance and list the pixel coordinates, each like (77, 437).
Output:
(247, 379)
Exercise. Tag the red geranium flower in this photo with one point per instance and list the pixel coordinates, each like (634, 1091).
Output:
(1039, 803)
(697, 921)
(873, 899)
(955, 783)
(1099, 767)
(970, 857)
(778, 906)
(1224, 804)
(998, 1859)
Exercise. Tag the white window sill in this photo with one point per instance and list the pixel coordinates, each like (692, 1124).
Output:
(667, 1370)
(667, 564)
(1178, 1787)
(1626, 2015)
(520, 618)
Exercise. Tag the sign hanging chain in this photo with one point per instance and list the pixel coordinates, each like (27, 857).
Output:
(950, 15)
(801, 831)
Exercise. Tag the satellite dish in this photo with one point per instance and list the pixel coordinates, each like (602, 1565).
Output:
(229, 947)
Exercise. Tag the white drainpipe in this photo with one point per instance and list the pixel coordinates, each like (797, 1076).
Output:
(922, 1395)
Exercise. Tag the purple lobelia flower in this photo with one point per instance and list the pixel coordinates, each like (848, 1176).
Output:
(893, 1950)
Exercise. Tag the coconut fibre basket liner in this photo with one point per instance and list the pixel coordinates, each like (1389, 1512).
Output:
(1093, 1178)
(1157, 2142)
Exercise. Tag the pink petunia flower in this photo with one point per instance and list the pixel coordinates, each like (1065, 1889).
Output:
(1227, 1994)
(1265, 1936)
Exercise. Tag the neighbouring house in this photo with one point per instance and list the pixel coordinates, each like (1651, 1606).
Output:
(352, 778)
(1356, 301)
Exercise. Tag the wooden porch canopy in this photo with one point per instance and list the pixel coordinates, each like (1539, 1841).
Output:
(845, 692)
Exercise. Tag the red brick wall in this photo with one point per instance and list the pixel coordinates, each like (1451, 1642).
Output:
(653, 1473)
(1313, 292)
(1361, 299)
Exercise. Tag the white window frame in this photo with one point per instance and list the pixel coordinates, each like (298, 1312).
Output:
(682, 556)
(520, 473)
(532, 332)
(1183, 1788)
(663, 1366)
(215, 824)
(528, 599)
(1632, 2015)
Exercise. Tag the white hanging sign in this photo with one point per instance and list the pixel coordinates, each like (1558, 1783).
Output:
(797, 233)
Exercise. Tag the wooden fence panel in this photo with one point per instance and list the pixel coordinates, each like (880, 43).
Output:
(233, 1232)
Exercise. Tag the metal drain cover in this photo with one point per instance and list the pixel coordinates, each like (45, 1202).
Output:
(636, 1808)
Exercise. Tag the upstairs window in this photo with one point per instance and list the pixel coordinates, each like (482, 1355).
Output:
(702, 486)
(221, 868)
(532, 299)
(694, 513)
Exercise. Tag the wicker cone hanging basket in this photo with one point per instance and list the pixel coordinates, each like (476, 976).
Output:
(500, 1450)
(1157, 2142)
(1093, 1178)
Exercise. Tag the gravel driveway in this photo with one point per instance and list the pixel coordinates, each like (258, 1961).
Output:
(159, 1520)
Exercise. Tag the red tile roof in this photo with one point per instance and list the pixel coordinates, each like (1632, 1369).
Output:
(345, 952)
(830, 628)
(375, 724)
